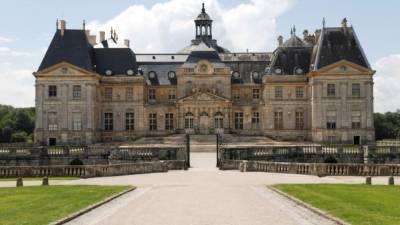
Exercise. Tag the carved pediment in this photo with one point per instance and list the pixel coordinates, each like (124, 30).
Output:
(202, 97)
(343, 67)
(64, 69)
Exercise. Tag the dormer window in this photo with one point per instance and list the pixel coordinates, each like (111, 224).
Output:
(298, 71)
(256, 75)
(236, 75)
(152, 74)
(129, 72)
(109, 72)
(171, 74)
(278, 71)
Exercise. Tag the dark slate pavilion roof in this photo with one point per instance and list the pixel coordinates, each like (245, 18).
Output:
(290, 59)
(211, 56)
(339, 44)
(161, 71)
(73, 48)
(118, 60)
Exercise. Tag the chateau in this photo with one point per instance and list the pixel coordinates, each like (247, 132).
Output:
(316, 88)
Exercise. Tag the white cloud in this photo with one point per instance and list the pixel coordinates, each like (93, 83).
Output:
(16, 86)
(387, 88)
(5, 51)
(5, 40)
(169, 26)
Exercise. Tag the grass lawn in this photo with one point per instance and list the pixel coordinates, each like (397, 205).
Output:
(40, 178)
(44, 204)
(356, 204)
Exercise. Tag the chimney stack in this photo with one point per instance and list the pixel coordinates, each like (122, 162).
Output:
(317, 35)
(126, 42)
(344, 23)
(92, 39)
(102, 36)
(305, 35)
(62, 27)
(280, 40)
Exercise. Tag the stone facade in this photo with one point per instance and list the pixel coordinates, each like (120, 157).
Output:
(319, 88)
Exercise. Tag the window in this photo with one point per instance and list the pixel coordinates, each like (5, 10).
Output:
(108, 121)
(219, 120)
(152, 94)
(255, 120)
(238, 120)
(331, 91)
(52, 121)
(256, 93)
(53, 91)
(169, 121)
(152, 121)
(76, 121)
(356, 119)
(355, 90)
(331, 120)
(278, 92)
(278, 120)
(129, 94)
(108, 93)
(236, 95)
(299, 120)
(130, 121)
(299, 92)
(76, 92)
(171, 95)
(189, 121)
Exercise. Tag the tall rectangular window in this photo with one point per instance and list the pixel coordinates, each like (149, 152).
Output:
(108, 93)
(239, 120)
(331, 90)
(235, 95)
(278, 120)
(108, 121)
(52, 121)
(76, 121)
(256, 93)
(129, 121)
(356, 119)
(171, 95)
(331, 120)
(299, 120)
(52, 91)
(278, 92)
(355, 90)
(169, 121)
(255, 120)
(152, 94)
(129, 94)
(152, 121)
(299, 92)
(76, 92)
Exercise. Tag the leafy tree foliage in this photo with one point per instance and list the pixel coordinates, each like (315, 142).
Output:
(16, 124)
(387, 125)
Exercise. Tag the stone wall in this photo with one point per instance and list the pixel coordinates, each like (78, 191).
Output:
(91, 171)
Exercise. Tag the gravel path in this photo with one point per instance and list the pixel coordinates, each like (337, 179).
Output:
(202, 196)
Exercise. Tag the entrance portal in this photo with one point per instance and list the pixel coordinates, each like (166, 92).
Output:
(357, 140)
(204, 123)
(52, 141)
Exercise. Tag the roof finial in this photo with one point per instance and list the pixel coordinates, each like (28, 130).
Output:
(84, 24)
(203, 10)
(323, 22)
(344, 22)
(111, 32)
(57, 24)
(291, 31)
(294, 30)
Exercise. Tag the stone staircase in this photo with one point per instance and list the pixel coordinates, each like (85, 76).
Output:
(203, 143)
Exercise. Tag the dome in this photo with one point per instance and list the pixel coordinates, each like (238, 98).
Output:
(203, 15)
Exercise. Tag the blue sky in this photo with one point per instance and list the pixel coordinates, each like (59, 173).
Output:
(27, 27)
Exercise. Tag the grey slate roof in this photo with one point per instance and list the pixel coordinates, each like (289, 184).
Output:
(337, 44)
(161, 71)
(289, 59)
(118, 60)
(73, 48)
(246, 70)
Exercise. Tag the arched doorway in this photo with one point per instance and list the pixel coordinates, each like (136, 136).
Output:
(76, 162)
(204, 123)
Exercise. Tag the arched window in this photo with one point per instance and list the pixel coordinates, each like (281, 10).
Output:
(218, 120)
(189, 120)
(203, 30)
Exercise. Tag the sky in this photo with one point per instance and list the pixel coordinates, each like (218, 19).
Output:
(27, 27)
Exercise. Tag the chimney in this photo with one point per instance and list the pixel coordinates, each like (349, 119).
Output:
(87, 32)
(305, 35)
(126, 42)
(62, 27)
(344, 23)
(92, 39)
(280, 40)
(102, 36)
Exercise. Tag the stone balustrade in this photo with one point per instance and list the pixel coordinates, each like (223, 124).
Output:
(319, 169)
(91, 170)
